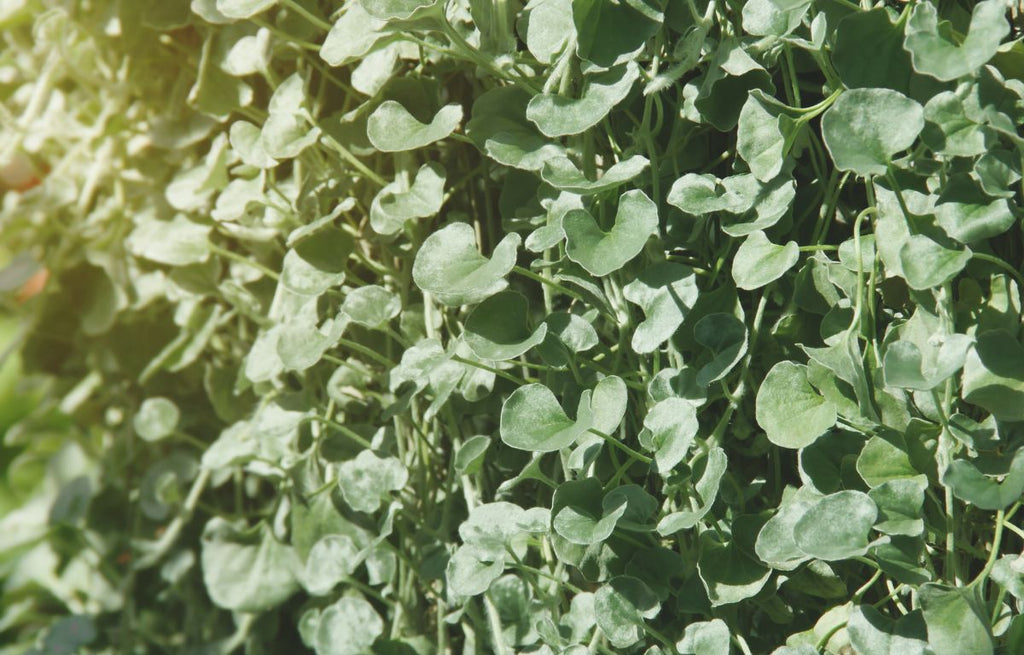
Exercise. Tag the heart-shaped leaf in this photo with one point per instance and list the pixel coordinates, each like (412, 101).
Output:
(665, 292)
(449, 266)
(498, 328)
(602, 252)
(399, 202)
(556, 115)
(758, 261)
(935, 54)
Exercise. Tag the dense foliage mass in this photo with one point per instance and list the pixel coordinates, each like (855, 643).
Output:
(476, 326)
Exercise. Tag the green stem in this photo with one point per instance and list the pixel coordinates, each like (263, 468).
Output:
(352, 159)
(305, 13)
(621, 446)
(242, 259)
(985, 257)
(997, 538)
(348, 432)
(525, 272)
(497, 371)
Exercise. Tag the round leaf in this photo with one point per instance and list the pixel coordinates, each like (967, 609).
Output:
(837, 526)
(531, 419)
(347, 627)
(157, 418)
(789, 410)
(372, 306)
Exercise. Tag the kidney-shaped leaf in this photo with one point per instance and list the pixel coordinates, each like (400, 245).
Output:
(866, 127)
(449, 266)
(246, 570)
(532, 419)
(621, 605)
(969, 484)
(871, 633)
(391, 128)
(726, 337)
(579, 515)
(371, 306)
(498, 328)
(935, 54)
(994, 375)
(556, 115)
(758, 261)
(399, 202)
(562, 174)
(602, 252)
(957, 623)
(665, 292)
(669, 430)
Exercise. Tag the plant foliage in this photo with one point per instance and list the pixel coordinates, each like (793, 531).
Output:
(491, 326)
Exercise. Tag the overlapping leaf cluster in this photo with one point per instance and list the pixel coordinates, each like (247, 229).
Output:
(428, 326)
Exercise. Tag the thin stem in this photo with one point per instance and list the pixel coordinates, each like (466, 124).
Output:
(242, 259)
(305, 13)
(997, 539)
(623, 447)
(347, 431)
(352, 159)
(1001, 264)
(497, 371)
(525, 272)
